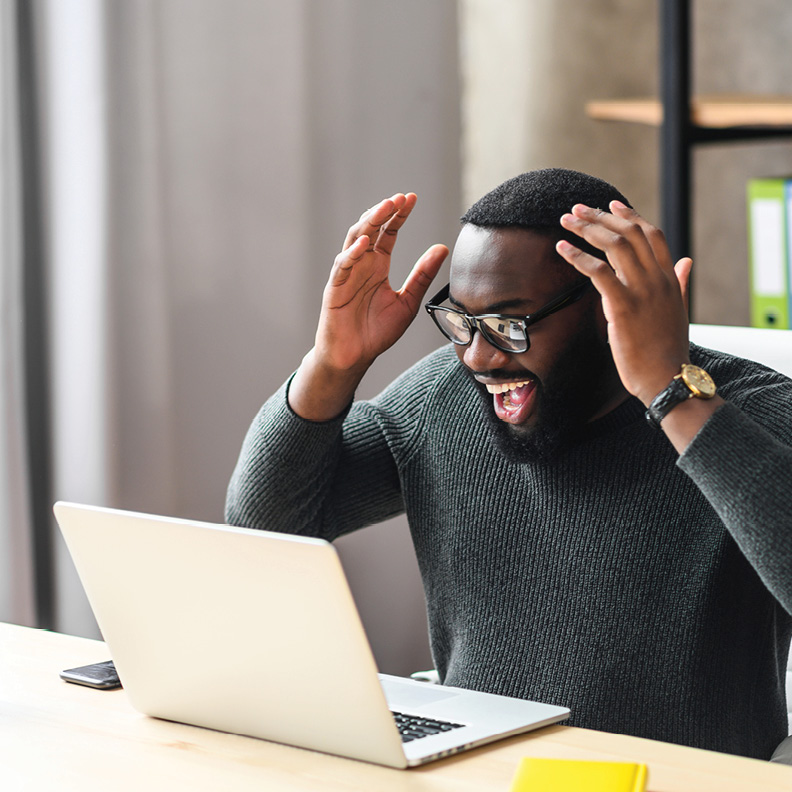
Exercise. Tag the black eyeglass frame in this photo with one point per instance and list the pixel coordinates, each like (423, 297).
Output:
(474, 323)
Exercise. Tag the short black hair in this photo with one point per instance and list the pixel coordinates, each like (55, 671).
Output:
(536, 200)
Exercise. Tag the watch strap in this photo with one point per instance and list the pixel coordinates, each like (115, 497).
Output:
(665, 401)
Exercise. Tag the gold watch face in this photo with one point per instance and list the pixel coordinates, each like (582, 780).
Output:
(699, 382)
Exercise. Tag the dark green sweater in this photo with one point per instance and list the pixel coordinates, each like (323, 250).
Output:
(649, 593)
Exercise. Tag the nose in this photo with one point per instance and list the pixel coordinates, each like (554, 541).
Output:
(480, 355)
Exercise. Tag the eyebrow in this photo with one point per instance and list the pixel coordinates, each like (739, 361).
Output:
(498, 307)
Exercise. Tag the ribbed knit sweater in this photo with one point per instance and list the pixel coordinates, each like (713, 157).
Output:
(648, 592)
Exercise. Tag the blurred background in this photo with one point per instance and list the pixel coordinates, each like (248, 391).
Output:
(177, 177)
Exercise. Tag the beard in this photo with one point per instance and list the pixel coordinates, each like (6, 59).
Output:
(571, 394)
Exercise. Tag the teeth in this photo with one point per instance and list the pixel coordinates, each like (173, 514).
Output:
(502, 387)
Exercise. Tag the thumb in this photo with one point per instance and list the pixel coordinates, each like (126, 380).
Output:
(423, 273)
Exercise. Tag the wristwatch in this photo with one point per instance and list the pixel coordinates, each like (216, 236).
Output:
(692, 382)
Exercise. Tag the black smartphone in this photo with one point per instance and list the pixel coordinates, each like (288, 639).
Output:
(102, 676)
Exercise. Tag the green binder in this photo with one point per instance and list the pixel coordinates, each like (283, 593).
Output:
(768, 251)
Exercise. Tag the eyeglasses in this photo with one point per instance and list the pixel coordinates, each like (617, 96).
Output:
(507, 333)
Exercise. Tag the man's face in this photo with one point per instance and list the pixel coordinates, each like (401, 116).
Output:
(535, 401)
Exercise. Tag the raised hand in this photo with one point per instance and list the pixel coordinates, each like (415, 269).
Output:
(362, 315)
(644, 294)
(644, 297)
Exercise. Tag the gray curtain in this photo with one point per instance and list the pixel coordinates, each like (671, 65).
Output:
(17, 599)
(202, 162)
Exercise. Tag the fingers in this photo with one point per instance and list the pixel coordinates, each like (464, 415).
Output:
(354, 253)
(654, 235)
(632, 245)
(343, 273)
(363, 265)
(375, 232)
(601, 274)
(387, 237)
(382, 222)
(371, 221)
(682, 270)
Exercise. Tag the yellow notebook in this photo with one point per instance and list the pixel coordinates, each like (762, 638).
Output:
(572, 775)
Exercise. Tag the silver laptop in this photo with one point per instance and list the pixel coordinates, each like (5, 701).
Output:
(256, 633)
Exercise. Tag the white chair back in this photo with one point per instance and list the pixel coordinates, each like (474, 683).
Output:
(774, 349)
(771, 347)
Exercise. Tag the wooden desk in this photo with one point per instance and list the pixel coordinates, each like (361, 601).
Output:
(57, 736)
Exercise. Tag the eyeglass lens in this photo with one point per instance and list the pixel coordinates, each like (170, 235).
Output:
(502, 332)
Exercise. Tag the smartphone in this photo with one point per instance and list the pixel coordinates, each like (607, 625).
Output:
(102, 676)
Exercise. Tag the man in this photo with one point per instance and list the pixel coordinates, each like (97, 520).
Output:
(571, 552)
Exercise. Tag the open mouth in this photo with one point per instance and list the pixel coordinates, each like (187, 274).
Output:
(513, 401)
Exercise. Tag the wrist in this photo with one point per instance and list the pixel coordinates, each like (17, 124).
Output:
(320, 391)
(657, 372)
(334, 375)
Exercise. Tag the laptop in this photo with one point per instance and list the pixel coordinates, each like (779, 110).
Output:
(256, 633)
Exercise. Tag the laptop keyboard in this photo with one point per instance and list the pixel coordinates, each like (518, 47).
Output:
(412, 727)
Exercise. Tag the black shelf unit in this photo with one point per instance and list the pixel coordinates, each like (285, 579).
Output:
(679, 134)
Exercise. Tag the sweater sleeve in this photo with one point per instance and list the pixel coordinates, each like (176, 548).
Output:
(743, 465)
(313, 478)
(329, 478)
